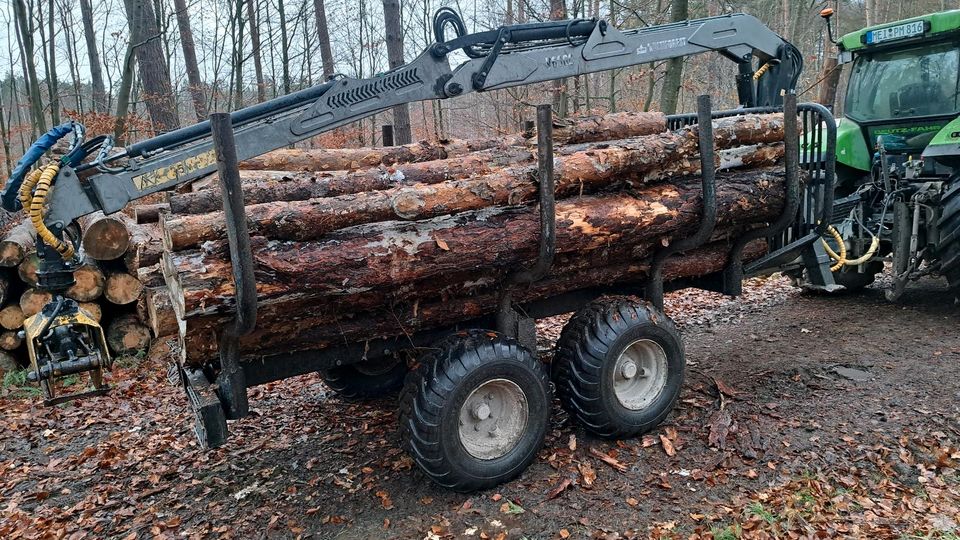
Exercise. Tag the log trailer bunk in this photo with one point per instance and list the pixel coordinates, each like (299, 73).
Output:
(476, 410)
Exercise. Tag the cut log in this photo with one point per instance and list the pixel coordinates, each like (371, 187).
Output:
(144, 248)
(576, 173)
(618, 125)
(93, 310)
(379, 256)
(17, 244)
(8, 363)
(11, 317)
(161, 317)
(151, 276)
(199, 343)
(267, 186)
(149, 213)
(33, 300)
(125, 334)
(10, 340)
(27, 269)
(89, 282)
(122, 288)
(105, 237)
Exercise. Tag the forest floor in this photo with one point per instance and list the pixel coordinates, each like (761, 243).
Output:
(801, 416)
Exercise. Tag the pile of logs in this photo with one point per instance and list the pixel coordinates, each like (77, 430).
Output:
(353, 244)
(106, 283)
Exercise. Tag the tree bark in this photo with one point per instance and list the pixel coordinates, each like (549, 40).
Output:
(190, 60)
(17, 243)
(25, 32)
(323, 33)
(152, 64)
(670, 92)
(93, 56)
(161, 318)
(382, 256)
(394, 39)
(257, 57)
(330, 327)
(621, 162)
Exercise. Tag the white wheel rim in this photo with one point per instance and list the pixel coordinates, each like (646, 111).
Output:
(493, 419)
(640, 374)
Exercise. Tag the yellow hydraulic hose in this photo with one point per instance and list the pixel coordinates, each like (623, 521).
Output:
(841, 258)
(763, 69)
(36, 212)
(26, 189)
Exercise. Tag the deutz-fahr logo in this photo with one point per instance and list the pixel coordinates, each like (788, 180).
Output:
(559, 61)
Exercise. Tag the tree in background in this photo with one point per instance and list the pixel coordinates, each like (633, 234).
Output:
(152, 64)
(670, 92)
(190, 60)
(323, 34)
(394, 39)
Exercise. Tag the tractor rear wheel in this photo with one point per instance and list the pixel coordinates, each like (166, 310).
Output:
(948, 247)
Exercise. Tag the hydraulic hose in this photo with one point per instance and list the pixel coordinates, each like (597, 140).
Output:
(26, 189)
(65, 249)
(841, 258)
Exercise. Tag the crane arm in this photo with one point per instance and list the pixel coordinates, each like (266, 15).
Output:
(506, 57)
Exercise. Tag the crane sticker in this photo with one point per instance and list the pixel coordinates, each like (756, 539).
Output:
(171, 173)
(663, 45)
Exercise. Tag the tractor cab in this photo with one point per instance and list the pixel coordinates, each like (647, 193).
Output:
(903, 95)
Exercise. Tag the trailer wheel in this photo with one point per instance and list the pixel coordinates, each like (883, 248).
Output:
(619, 367)
(853, 280)
(475, 413)
(949, 226)
(368, 379)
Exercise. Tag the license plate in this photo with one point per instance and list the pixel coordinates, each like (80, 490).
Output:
(901, 31)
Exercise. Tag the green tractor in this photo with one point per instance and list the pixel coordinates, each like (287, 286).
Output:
(898, 154)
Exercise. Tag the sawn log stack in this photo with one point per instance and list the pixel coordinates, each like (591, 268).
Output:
(355, 244)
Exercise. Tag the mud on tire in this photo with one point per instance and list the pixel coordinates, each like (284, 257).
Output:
(460, 371)
(604, 347)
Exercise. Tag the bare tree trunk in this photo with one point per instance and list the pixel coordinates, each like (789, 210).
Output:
(25, 33)
(190, 60)
(670, 93)
(5, 138)
(152, 64)
(323, 32)
(66, 21)
(394, 33)
(284, 49)
(870, 11)
(237, 64)
(257, 57)
(123, 95)
(830, 74)
(52, 84)
(558, 11)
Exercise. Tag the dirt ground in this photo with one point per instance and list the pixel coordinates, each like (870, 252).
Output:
(802, 416)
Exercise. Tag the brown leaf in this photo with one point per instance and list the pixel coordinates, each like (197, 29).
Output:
(564, 533)
(385, 500)
(442, 245)
(587, 474)
(719, 423)
(560, 488)
(613, 462)
(572, 443)
(725, 388)
(632, 502)
(667, 446)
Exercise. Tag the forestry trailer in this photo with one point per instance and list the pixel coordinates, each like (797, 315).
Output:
(898, 154)
(476, 411)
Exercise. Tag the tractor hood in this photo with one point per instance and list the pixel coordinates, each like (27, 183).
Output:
(944, 148)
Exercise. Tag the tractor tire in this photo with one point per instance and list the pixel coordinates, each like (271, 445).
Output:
(854, 281)
(474, 414)
(619, 367)
(948, 247)
(365, 380)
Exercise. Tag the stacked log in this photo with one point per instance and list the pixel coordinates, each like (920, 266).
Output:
(352, 244)
(343, 256)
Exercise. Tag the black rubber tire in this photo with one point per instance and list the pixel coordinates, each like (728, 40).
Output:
(587, 351)
(948, 248)
(434, 393)
(354, 382)
(854, 281)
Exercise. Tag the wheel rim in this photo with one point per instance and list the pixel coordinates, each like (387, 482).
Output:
(493, 419)
(376, 367)
(640, 374)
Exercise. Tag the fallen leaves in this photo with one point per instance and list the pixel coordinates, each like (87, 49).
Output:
(609, 460)
(560, 488)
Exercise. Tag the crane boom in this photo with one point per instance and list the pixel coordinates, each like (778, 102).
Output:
(509, 56)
